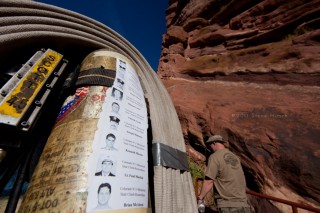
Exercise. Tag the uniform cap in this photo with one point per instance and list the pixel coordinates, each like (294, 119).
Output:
(114, 118)
(215, 138)
(107, 159)
(120, 81)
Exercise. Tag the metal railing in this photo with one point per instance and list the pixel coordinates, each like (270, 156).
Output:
(294, 205)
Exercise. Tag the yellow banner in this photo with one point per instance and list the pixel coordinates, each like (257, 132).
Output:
(18, 101)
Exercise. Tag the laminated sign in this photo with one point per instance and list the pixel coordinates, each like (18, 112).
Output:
(118, 172)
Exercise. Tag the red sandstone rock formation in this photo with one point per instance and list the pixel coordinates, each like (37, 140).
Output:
(250, 70)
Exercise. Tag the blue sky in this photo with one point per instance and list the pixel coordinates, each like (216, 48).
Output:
(141, 22)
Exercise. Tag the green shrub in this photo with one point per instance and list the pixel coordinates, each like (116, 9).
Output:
(196, 170)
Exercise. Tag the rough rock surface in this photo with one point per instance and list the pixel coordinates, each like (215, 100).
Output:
(250, 70)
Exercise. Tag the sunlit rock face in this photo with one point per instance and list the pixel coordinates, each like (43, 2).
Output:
(250, 70)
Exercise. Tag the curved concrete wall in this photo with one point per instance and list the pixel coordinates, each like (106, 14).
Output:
(26, 26)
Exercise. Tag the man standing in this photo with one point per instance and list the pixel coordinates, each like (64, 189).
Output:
(115, 107)
(114, 122)
(225, 174)
(110, 139)
(117, 94)
(104, 192)
(106, 167)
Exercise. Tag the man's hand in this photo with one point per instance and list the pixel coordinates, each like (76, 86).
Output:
(199, 202)
(206, 186)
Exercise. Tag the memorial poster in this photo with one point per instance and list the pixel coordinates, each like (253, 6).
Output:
(118, 165)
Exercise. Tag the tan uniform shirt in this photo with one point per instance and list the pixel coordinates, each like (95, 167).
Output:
(225, 169)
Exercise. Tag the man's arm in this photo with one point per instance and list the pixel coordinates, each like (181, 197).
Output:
(206, 187)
